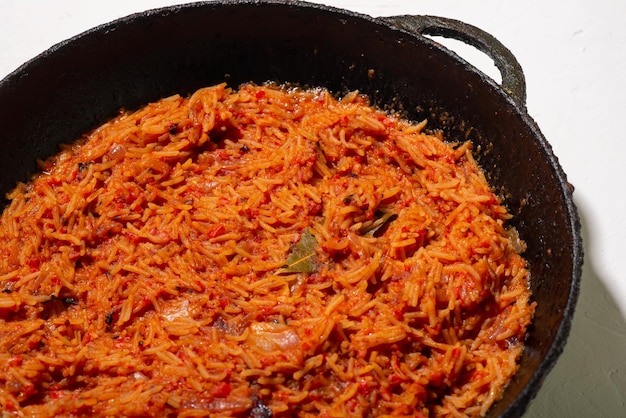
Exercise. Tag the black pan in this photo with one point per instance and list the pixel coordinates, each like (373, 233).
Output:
(80, 83)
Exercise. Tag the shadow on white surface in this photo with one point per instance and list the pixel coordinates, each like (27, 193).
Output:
(589, 379)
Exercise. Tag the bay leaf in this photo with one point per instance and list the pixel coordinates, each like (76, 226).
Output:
(381, 218)
(302, 258)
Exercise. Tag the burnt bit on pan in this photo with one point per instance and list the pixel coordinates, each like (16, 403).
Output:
(259, 409)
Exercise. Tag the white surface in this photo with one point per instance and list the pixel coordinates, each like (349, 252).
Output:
(574, 58)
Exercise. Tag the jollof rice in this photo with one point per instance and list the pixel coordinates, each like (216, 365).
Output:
(259, 252)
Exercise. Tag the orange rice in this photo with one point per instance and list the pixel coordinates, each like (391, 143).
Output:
(259, 252)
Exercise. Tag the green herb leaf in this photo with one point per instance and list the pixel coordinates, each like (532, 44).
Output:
(381, 219)
(302, 258)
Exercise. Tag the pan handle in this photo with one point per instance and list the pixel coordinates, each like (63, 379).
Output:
(513, 81)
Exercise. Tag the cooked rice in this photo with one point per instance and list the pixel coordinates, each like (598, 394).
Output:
(254, 252)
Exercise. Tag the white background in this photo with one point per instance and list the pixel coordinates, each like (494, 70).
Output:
(574, 58)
